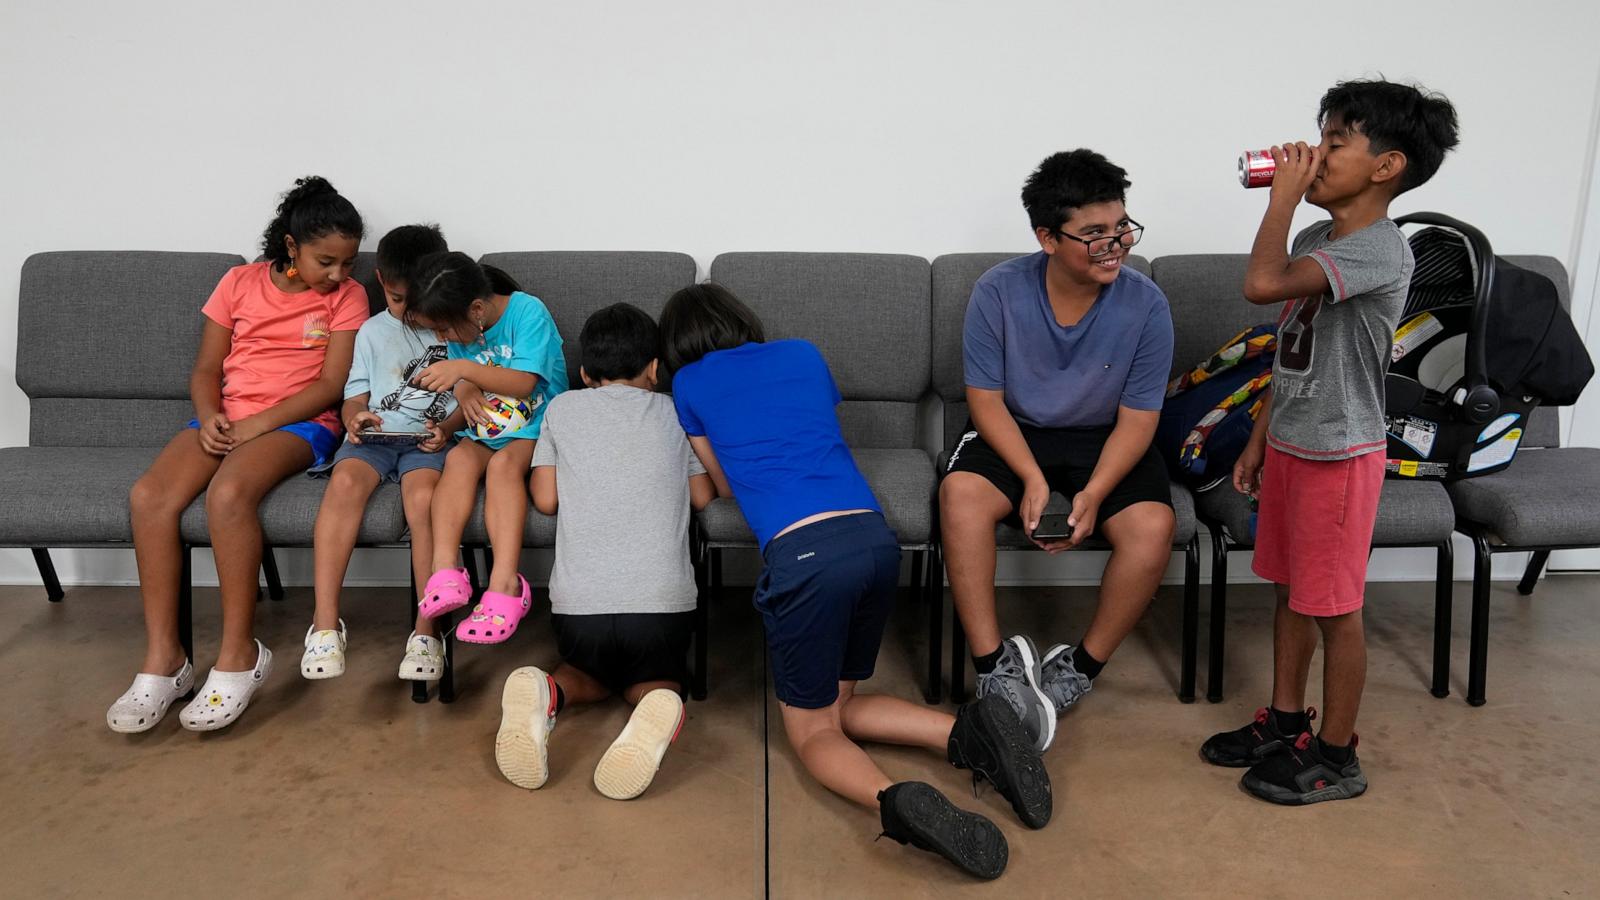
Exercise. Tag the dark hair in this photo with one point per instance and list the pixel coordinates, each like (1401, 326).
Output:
(444, 285)
(618, 343)
(703, 318)
(1420, 124)
(1070, 180)
(403, 248)
(311, 209)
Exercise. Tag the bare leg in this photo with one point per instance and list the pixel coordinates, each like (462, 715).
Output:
(1344, 675)
(157, 501)
(969, 508)
(232, 504)
(505, 511)
(350, 486)
(578, 686)
(1141, 545)
(891, 720)
(832, 758)
(1294, 640)
(416, 495)
(454, 496)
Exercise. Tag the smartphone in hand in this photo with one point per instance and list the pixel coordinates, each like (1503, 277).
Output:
(1053, 527)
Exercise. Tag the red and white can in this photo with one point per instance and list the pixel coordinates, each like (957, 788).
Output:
(1256, 168)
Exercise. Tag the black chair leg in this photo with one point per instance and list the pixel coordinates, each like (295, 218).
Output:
(269, 567)
(1191, 619)
(1219, 615)
(958, 659)
(1478, 657)
(186, 608)
(933, 691)
(47, 574)
(447, 679)
(702, 626)
(1530, 576)
(1443, 610)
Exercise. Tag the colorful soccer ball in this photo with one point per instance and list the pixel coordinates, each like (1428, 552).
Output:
(506, 414)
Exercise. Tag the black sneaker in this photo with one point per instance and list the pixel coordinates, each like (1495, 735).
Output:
(1251, 744)
(989, 740)
(1303, 774)
(915, 813)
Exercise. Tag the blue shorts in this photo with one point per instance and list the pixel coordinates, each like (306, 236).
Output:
(390, 461)
(825, 595)
(322, 440)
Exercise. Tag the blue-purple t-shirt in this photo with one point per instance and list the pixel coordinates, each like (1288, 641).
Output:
(1054, 376)
(768, 411)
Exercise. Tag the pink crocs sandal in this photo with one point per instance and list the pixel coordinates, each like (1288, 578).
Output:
(495, 618)
(447, 591)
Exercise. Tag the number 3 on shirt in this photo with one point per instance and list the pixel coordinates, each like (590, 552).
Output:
(1297, 337)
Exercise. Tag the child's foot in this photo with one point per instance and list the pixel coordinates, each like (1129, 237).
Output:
(225, 695)
(141, 706)
(324, 655)
(527, 714)
(1060, 679)
(424, 659)
(1015, 679)
(1244, 747)
(988, 739)
(1304, 773)
(631, 763)
(915, 813)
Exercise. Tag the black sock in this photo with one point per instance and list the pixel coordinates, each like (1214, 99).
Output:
(1339, 756)
(561, 698)
(1086, 665)
(986, 663)
(1290, 723)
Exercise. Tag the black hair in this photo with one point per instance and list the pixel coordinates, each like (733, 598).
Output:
(403, 248)
(444, 285)
(1071, 180)
(311, 209)
(618, 343)
(703, 318)
(1393, 116)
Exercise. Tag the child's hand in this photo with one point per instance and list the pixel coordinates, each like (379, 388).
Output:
(215, 436)
(436, 438)
(365, 420)
(474, 405)
(1298, 165)
(440, 376)
(1085, 510)
(247, 429)
(1247, 471)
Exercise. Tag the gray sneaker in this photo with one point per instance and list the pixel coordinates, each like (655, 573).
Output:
(1016, 679)
(1061, 680)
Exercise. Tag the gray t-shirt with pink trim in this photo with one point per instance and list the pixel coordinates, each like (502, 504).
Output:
(1333, 350)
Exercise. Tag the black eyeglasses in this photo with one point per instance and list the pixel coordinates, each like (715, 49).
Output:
(1127, 236)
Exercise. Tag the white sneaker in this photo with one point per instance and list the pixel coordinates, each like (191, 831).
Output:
(324, 656)
(527, 714)
(634, 757)
(141, 706)
(225, 695)
(424, 660)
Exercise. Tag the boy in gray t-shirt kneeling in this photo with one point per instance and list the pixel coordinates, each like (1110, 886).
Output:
(614, 460)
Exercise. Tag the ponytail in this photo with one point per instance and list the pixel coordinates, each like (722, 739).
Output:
(310, 210)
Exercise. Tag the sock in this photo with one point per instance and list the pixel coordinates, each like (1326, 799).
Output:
(1290, 723)
(986, 663)
(1086, 665)
(561, 699)
(1339, 756)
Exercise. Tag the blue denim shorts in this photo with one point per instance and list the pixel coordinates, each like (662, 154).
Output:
(322, 440)
(390, 461)
(825, 595)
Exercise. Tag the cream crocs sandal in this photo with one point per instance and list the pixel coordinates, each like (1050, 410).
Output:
(324, 656)
(143, 704)
(630, 764)
(225, 695)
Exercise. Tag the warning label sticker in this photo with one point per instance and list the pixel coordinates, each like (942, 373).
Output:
(1413, 334)
(1500, 451)
(1418, 434)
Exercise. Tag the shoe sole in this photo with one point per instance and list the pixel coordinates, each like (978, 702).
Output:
(939, 826)
(1030, 671)
(410, 671)
(520, 748)
(1028, 781)
(633, 759)
(1343, 789)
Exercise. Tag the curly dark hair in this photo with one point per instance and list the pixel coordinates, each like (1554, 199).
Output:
(311, 209)
(1070, 180)
(1420, 124)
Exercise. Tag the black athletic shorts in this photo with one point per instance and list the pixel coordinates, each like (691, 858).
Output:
(620, 650)
(1068, 457)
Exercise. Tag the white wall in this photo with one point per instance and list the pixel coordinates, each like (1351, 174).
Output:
(713, 126)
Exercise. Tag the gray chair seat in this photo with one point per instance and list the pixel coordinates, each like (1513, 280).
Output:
(289, 515)
(902, 480)
(62, 496)
(538, 531)
(1010, 537)
(1409, 512)
(1546, 497)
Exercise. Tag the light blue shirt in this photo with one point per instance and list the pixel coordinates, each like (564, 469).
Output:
(388, 354)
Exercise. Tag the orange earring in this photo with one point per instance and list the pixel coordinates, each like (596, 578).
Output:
(291, 272)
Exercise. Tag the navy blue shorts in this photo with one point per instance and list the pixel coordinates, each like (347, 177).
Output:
(825, 595)
(322, 441)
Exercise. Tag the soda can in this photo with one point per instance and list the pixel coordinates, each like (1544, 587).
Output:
(1256, 168)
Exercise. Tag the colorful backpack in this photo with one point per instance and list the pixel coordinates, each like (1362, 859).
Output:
(1210, 410)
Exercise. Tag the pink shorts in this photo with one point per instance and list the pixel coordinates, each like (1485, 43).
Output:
(1314, 528)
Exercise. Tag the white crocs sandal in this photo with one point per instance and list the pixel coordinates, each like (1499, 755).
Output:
(424, 659)
(630, 764)
(143, 705)
(225, 695)
(324, 656)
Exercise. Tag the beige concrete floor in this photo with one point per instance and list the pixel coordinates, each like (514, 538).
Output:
(346, 788)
